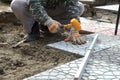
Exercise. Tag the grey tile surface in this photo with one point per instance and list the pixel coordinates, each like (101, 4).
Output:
(51, 75)
(71, 48)
(63, 72)
(104, 65)
(103, 42)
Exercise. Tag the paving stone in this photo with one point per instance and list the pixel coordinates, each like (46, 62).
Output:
(84, 78)
(71, 48)
(103, 42)
(51, 75)
(116, 72)
(105, 70)
(63, 72)
(100, 77)
(72, 70)
(116, 79)
(92, 77)
(109, 77)
(109, 7)
(5, 8)
(95, 25)
(108, 74)
(98, 72)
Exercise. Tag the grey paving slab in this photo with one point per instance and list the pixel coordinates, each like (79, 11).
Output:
(98, 26)
(103, 42)
(63, 72)
(71, 48)
(104, 65)
(5, 8)
(51, 75)
(109, 7)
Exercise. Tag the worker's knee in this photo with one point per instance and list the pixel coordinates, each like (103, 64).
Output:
(16, 5)
(81, 8)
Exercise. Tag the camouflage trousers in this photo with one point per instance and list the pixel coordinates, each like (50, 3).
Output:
(21, 11)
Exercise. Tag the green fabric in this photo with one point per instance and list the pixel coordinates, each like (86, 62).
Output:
(37, 7)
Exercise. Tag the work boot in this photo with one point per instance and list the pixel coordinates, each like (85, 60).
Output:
(35, 33)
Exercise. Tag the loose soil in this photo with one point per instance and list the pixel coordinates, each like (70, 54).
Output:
(29, 58)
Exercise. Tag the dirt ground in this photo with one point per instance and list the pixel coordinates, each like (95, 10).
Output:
(31, 57)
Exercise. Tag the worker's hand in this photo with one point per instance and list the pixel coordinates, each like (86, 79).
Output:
(74, 36)
(53, 25)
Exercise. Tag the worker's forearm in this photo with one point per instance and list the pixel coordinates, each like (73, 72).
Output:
(38, 11)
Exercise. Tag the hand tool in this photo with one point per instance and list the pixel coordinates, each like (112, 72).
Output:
(74, 23)
(20, 42)
(3, 44)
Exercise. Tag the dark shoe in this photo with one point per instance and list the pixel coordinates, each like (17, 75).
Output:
(35, 33)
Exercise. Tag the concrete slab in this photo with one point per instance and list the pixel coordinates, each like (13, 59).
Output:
(5, 8)
(71, 48)
(106, 41)
(113, 8)
(103, 42)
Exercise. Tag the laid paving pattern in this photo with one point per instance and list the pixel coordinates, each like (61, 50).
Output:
(104, 65)
(63, 72)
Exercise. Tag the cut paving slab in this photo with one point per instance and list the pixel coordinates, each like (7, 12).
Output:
(103, 42)
(71, 48)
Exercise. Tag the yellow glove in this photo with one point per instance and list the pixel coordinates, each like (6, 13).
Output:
(74, 36)
(53, 25)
